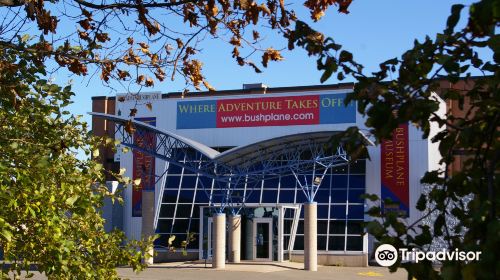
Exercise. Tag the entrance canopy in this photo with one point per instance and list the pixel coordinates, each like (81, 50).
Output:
(304, 153)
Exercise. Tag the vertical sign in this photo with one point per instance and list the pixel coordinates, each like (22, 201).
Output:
(143, 168)
(395, 172)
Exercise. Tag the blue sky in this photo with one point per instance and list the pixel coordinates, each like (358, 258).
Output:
(374, 31)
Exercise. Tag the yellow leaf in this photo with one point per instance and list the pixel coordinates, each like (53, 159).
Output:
(170, 240)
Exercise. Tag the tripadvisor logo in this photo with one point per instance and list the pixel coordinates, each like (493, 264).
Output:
(387, 255)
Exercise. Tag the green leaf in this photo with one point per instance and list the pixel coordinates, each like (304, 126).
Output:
(71, 200)
(345, 56)
(7, 234)
(453, 18)
(421, 203)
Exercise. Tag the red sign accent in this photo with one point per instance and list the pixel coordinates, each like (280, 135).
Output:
(271, 111)
(395, 171)
(143, 167)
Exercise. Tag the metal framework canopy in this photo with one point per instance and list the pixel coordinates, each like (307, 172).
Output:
(295, 154)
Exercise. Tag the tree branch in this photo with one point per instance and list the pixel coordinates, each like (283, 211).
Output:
(126, 5)
(12, 3)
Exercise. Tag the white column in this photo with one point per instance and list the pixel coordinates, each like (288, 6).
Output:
(310, 237)
(235, 238)
(148, 215)
(219, 241)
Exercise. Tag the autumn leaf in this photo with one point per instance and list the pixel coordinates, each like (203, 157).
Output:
(256, 35)
(129, 127)
(133, 112)
(208, 86)
(180, 44)
(271, 54)
(149, 82)
(235, 41)
(122, 74)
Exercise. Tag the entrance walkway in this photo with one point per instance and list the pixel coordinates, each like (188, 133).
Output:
(254, 271)
(259, 271)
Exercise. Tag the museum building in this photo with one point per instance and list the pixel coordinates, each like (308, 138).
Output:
(261, 155)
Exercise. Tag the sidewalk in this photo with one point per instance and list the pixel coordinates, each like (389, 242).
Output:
(260, 271)
(254, 271)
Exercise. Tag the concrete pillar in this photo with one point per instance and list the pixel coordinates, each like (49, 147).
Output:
(148, 216)
(219, 241)
(310, 236)
(235, 238)
(248, 239)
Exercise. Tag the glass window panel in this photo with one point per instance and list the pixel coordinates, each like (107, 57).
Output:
(164, 225)
(196, 212)
(287, 226)
(186, 196)
(169, 196)
(322, 211)
(205, 182)
(287, 195)
(322, 226)
(354, 243)
(340, 169)
(172, 182)
(253, 196)
(336, 243)
(357, 181)
(167, 210)
(322, 195)
(301, 197)
(202, 196)
(337, 227)
(321, 243)
(354, 227)
(180, 226)
(288, 182)
(339, 181)
(174, 169)
(188, 181)
(338, 212)
(300, 227)
(356, 211)
(339, 196)
(286, 240)
(271, 183)
(183, 210)
(269, 196)
(355, 196)
(299, 242)
(358, 167)
(195, 226)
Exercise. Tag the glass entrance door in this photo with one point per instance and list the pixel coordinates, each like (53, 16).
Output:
(262, 239)
(210, 231)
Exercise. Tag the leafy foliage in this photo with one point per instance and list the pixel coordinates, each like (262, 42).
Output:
(469, 195)
(140, 42)
(50, 199)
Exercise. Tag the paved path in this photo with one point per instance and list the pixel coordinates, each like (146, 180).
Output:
(255, 271)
